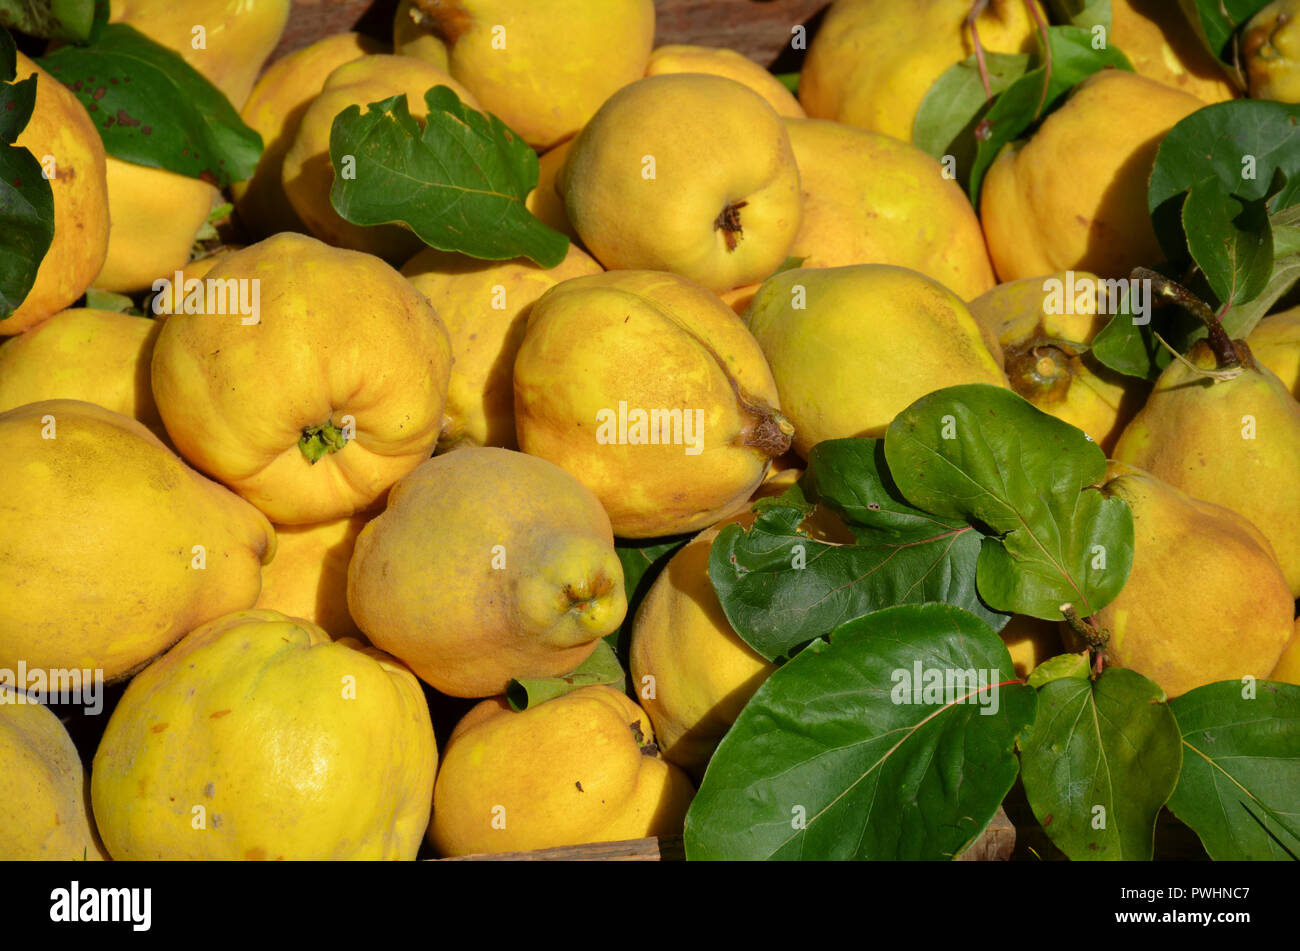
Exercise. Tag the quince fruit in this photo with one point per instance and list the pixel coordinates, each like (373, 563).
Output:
(112, 547)
(717, 61)
(667, 412)
(413, 36)
(1275, 344)
(63, 139)
(1074, 195)
(487, 565)
(580, 768)
(257, 737)
(545, 202)
(305, 440)
(1161, 44)
(1288, 667)
(871, 199)
(309, 576)
(1270, 49)
(544, 66)
(687, 173)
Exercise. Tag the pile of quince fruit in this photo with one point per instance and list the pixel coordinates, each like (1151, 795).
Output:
(310, 548)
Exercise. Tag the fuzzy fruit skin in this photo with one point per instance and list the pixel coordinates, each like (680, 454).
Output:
(657, 342)
(309, 576)
(1270, 46)
(97, 542)
(295, 746)
(870, 340)
(307, 174)
(1288, 666)
(428, 582)
(236, 397)
(1275, 343)
(98, 356)
(1066, 381)
(1191, 433)
(567, 772)
(44, 796)
(468, 295)
(1161, 44)
(1074, 195)
(274, 110)
(544, 66)
(155, 215)
(1205, 599)
(715, 144)
(60, 127)
(238, 37)
(871, 62)
(718, 61)
(870, 199)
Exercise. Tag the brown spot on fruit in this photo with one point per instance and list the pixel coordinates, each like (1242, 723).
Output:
(158, 727)
(218, 715)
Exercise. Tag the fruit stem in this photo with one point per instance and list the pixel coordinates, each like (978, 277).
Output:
(1047, 56)
(320, 440)
(1225, 354)
(976, 10)
(1088, 631)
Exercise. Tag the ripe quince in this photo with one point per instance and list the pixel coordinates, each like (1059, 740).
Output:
(309, 576)
(1270, 48)
(1275, 343)
(413, 36)
(1161, 44)
(581, 768)
(718, 61)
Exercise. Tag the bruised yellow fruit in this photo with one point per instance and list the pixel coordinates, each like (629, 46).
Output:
(718, 61)
(871, 199)
(305, 440)
(1270, 49)
(257, 737)
(226, 42)
(544, 66)
(1288, 667)
(1074, 195)
(485, 305)
(1204, 601)
(98, 356)
(309, 576)
(691, 670)
(487, 565)
(156, 215)
(871, 62)
(1161, 44)
(666, 411)
(62, 138)
(545, 202)
(44, 795)
(274, 111)
(307, 174)
(1030, 641)
(110, 547)
(687, 173)
(580, 768)
(1044, 327)
(852, 347)
(413, 36)
(1275, 343)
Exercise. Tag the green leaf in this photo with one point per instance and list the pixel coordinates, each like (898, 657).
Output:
(952, 108)
(73, 21)
(152, 108)
(1240, 784)
(107, 300)
(459, 183)
(1240, 319)
(642, 563)
(1229, 240)
(781, 588)
(836, 757)
(26, 200)
(1083, 13)
(789, 80)
(1099, 761)
(1217, 20)
(1076, 666)
(981, 453)
(600, 669)
(8, 56)
(1024, 102)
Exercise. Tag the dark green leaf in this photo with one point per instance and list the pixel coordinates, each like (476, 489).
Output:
(1240, 319)
(641, 565)
(8, 56)
(73, 21)
(981, 453)
(459, 183)
(600, 669)
(780, 588)
(1217, 20)
(1100, 759)
(26, 201)
(1084, 13)
(1027, 100)
(17, 100)
(1240, 785)
(836, 757)
(1230, 241)
(152, 108)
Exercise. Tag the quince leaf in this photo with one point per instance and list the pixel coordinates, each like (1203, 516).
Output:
(72, 21)
(1239, 789)
(26, 200)
(984, 454)
(1216, 20)
(1084, 13)
(781, 587)
(601, 668)
(1077, 666)
(153, 108)
(1230, 241)
(1099, 761)
(952, 108)
(641, 566)
(894, 741)
(459, 182)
